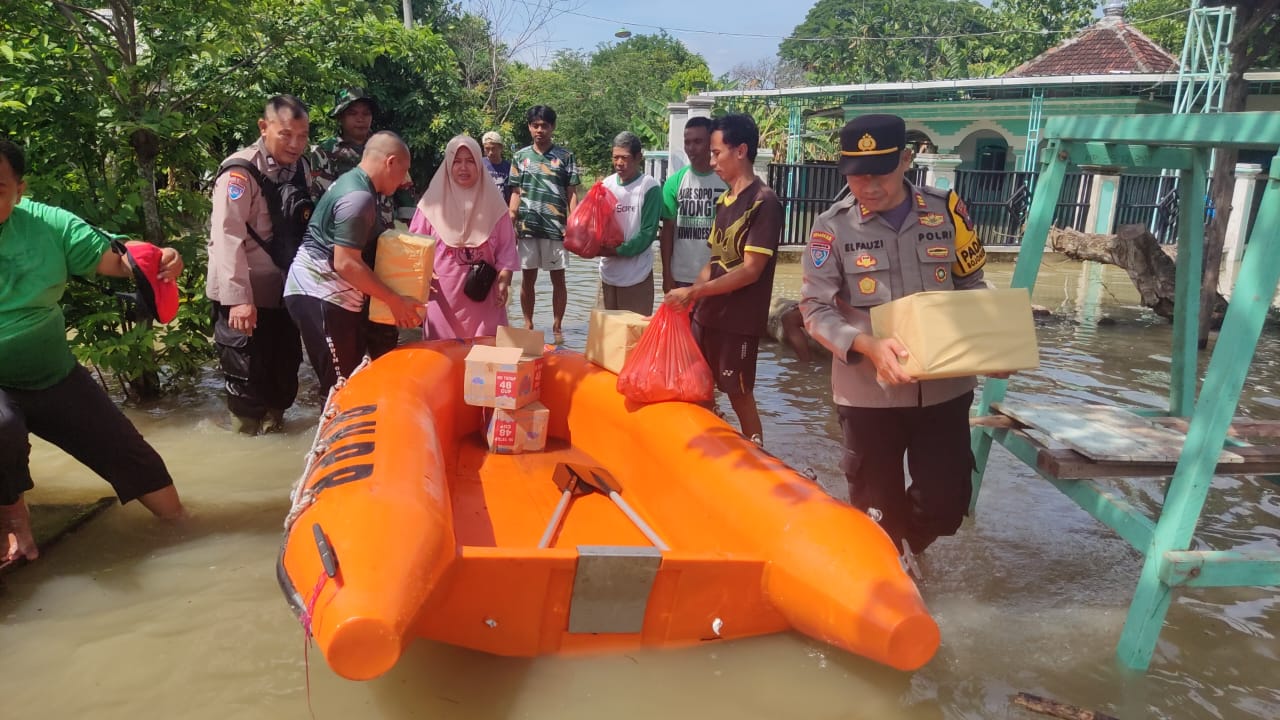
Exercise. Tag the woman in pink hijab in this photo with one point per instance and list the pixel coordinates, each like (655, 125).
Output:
(476, 248)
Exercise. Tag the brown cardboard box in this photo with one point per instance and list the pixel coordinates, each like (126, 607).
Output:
(511, 432)
(612, 335)
(405, 262)
(961, 332)
(507, 374)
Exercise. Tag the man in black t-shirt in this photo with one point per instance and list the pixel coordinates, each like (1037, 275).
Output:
(734, 290)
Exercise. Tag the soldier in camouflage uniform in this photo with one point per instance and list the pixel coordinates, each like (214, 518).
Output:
(354, 109)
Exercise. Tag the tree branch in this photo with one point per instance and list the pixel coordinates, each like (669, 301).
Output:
(248, 59)
(81, 32)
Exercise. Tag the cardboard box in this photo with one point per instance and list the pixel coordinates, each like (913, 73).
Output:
(518, 431)
(961, 332)
(612, 335)
(507, 374)
(405, 262)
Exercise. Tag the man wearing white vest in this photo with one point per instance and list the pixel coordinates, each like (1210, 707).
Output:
(626, 272)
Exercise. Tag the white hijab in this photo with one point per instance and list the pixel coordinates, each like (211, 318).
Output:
(462, 217)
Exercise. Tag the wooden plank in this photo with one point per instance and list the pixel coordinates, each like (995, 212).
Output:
(1221, 568)
(1071, 465)
(1241, 427)
(1105, 433)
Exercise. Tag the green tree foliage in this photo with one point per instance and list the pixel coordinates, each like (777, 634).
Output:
(1171, 27)
(126, 111)
(1030, 27)
(622, 86)
(856, 41)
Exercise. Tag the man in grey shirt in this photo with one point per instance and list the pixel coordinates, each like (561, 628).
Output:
(332, 274)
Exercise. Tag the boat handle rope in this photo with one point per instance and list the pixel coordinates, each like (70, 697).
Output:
(301, 497)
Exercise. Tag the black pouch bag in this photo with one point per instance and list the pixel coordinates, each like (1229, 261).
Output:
(479, 281)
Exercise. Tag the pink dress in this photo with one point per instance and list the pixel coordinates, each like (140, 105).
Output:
(450, 313)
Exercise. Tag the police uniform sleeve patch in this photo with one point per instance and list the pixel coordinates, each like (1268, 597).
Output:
(820, 247)
(959, 210)
(970, 255)
(237, 183)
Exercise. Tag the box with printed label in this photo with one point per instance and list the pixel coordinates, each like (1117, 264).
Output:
(405, 262)
(518, 431)
(507, 374)
(961, 332)
(612, 335)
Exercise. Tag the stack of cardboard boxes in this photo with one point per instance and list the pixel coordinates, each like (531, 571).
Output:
(507, 376)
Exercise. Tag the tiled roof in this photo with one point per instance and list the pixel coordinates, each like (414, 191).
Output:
(1109, 46)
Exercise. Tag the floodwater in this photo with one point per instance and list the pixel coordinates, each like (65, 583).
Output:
(127, 618)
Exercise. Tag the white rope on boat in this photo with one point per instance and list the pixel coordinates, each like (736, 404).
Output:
(301, 497)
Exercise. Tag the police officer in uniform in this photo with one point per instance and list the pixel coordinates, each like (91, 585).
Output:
(890, 239)
(258, 345)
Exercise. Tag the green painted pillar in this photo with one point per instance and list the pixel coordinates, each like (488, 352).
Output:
(1044, 202)
(795, 133)
(1192, 188)
(1103, 200)
(1224, 380)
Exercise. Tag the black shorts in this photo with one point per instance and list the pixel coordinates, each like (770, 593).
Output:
(78, 416)
(732, 357)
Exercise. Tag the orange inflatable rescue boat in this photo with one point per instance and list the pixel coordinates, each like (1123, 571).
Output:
(638, 526)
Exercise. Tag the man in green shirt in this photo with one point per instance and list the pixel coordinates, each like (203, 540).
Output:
(332, 276)
(689, 205)
(43, 390)
(544, 183)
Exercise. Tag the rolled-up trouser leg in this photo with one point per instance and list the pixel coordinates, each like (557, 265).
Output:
(15, 450)
(79, 417)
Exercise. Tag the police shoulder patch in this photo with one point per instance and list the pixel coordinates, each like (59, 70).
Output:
(820, 247)
(237, 183)
(970, 256)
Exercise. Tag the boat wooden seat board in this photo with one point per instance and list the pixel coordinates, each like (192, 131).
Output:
(432, 536)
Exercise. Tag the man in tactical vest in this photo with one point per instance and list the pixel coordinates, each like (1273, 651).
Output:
(249, 252)
(887, 240)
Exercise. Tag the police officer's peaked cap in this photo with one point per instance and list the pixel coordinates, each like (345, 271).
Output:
(872, 144)
(349, 96)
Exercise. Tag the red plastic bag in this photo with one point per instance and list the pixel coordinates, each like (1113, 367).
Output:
(666, 363)
(593, 224)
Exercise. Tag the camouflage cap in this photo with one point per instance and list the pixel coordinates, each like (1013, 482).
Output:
(348, 96)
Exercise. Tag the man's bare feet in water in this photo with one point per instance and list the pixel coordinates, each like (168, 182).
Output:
(16, 540)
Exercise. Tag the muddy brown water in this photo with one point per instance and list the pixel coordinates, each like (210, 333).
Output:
(127, 618)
